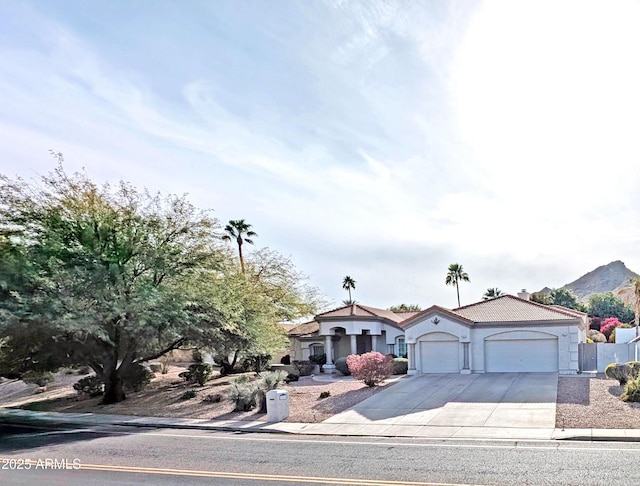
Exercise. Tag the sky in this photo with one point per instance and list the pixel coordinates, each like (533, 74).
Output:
(380, 140)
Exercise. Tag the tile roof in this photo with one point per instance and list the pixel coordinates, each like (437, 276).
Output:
(407, 314)
(305, 329)
(576, 313)
(416, 317)
(287, 326)
(358, 310)
(508, 308)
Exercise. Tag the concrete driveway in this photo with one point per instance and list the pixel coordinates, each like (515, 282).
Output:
(491, 401)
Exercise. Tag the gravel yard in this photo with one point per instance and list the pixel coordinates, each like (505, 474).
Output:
(584, 401)
(162, 398)
(593, 402)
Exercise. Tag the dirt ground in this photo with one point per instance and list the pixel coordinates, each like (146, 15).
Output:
(162, 398)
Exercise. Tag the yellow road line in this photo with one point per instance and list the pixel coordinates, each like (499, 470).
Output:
(249, 476)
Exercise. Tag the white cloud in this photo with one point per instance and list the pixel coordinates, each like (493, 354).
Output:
(384, 140)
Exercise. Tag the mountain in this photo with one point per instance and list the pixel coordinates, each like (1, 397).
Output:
(614, 277)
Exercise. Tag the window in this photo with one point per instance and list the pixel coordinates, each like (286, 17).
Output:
(316, 349)
(401, 347)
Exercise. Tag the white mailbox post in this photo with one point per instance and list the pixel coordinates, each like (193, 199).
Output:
(277, 405)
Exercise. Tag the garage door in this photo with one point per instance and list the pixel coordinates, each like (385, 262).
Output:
(439, 357)
(537, 355)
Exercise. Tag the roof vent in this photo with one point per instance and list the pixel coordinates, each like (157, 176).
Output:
(524, 295)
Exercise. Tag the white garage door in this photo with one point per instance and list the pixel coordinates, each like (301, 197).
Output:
(439, 357)
(536, 355)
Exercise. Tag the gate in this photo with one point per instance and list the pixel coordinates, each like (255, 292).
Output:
(588, 357)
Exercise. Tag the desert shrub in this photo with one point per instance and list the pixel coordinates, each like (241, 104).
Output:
(197, 356)
(255, 362)
(242, 379)
(400, 366)
(635, 369)
(269, 380)
(618, 371)
(304, 368)
(201, 372)
(292, 377)
(40, 378)
(370, 368)
(286, 359)
(325, 394)
(596, 336)
(608, 325)
(319, 359)
(244, 395)
(89, 385)
(188, 395)
(198, 372)
(341, 366)
(213, 398)
(631, 391)
(136, 377)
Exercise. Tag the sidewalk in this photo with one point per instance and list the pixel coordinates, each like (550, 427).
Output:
(27, 417)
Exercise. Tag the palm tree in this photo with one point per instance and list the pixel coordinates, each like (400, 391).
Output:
(455, 275)
(238, 230)
(348, 283)
(491, 293)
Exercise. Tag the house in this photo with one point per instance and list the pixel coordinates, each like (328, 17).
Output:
(352, 329)
(504, 334)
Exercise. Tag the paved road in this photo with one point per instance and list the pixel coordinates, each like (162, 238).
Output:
(168, 456)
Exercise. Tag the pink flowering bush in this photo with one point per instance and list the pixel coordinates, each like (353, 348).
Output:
(608, 325)
(371, 368)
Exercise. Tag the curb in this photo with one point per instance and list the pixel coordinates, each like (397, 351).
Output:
(27, 418)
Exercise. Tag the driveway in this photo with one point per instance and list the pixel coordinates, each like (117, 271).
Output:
(490, 400)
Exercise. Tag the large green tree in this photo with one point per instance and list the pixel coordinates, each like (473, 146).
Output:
(271, 291)
(240, 232)
(106, 272)
(608, 305)
(112, 277)
(566, 298)
(455, 275)
(563, 297)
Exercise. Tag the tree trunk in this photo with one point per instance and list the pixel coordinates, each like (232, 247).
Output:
(240, 253)
(113, 384)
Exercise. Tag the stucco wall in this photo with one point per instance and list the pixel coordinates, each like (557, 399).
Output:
(613, 353)
(625, 335)
(389, 332)
(568, 338)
